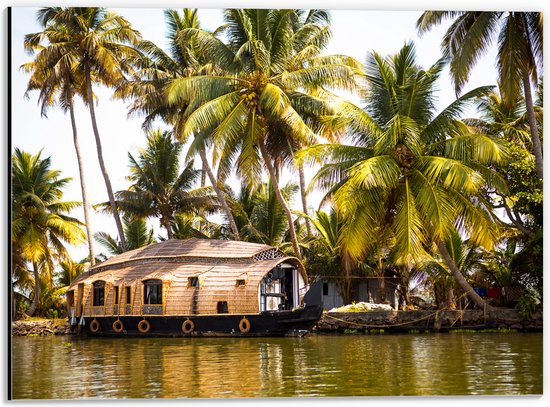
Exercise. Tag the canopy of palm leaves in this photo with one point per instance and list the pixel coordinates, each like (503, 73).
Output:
(520, 53)
(265, 84)
(413, 173)
(259, 215)
(156, 69)
(159, 188)
(80, 46)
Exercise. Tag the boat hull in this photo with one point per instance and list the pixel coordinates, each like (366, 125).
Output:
(270, 323)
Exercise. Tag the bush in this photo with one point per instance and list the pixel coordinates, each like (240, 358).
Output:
(528, 303)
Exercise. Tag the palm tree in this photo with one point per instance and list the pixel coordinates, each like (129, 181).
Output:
(136, 233)
(311, 34)
(327, 257)
(185, 226)
(97, 43)
(468, 258)
(58, 85)
(148, 93)
(520, 53)
(413, 173)
(242, 108)
(40, 226)
(70, 270)
(259, 214)
(159, 189)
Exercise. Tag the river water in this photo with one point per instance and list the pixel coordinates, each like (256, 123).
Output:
(345, 365)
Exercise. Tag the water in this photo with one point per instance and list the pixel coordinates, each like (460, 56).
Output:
(347, 365)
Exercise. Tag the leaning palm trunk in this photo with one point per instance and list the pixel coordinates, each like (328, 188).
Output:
(304, 198)
(102, 163)
(280, 198)
(466, 287)
(36, 296)
(219, 194)
(537, 147)
(85, 201)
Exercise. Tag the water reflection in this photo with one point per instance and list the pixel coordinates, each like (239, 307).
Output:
(445, 364)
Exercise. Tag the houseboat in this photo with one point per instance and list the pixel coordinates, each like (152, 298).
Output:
(195, 287)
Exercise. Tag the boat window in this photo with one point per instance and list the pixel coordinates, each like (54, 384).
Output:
(241, 282)
(116, 295)
(222, 307)
(128, 295)
(193, 282)
(99, 293)
(152, 291)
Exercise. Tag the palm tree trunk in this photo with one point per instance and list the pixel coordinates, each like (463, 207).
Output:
(203, 174)
(165, 221)
(304, 198)
(381, 278)
(219, 194)
(102, 163)
(85, 202)
(280, 197)
(203, 184)
(537, 146)
(34, 305)
(466, 287)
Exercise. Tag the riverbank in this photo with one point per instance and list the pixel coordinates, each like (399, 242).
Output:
(427, 320)
(361, 322)
(40, 327)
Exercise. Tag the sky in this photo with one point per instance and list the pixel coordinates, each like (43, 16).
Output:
(356, 31)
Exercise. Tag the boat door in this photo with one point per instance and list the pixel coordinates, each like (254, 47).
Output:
(291, 287)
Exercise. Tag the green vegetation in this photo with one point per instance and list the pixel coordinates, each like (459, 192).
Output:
(411, 192)
(40, 227)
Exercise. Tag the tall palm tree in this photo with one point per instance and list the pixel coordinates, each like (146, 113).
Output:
(520, 54)
(311, 34)
(240, 109)
(98, 44)
(159, 189)
(40, 224)
(58, 85)
(148, 94)
(413, 173)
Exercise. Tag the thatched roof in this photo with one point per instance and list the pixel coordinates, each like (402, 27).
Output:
(215, 256)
